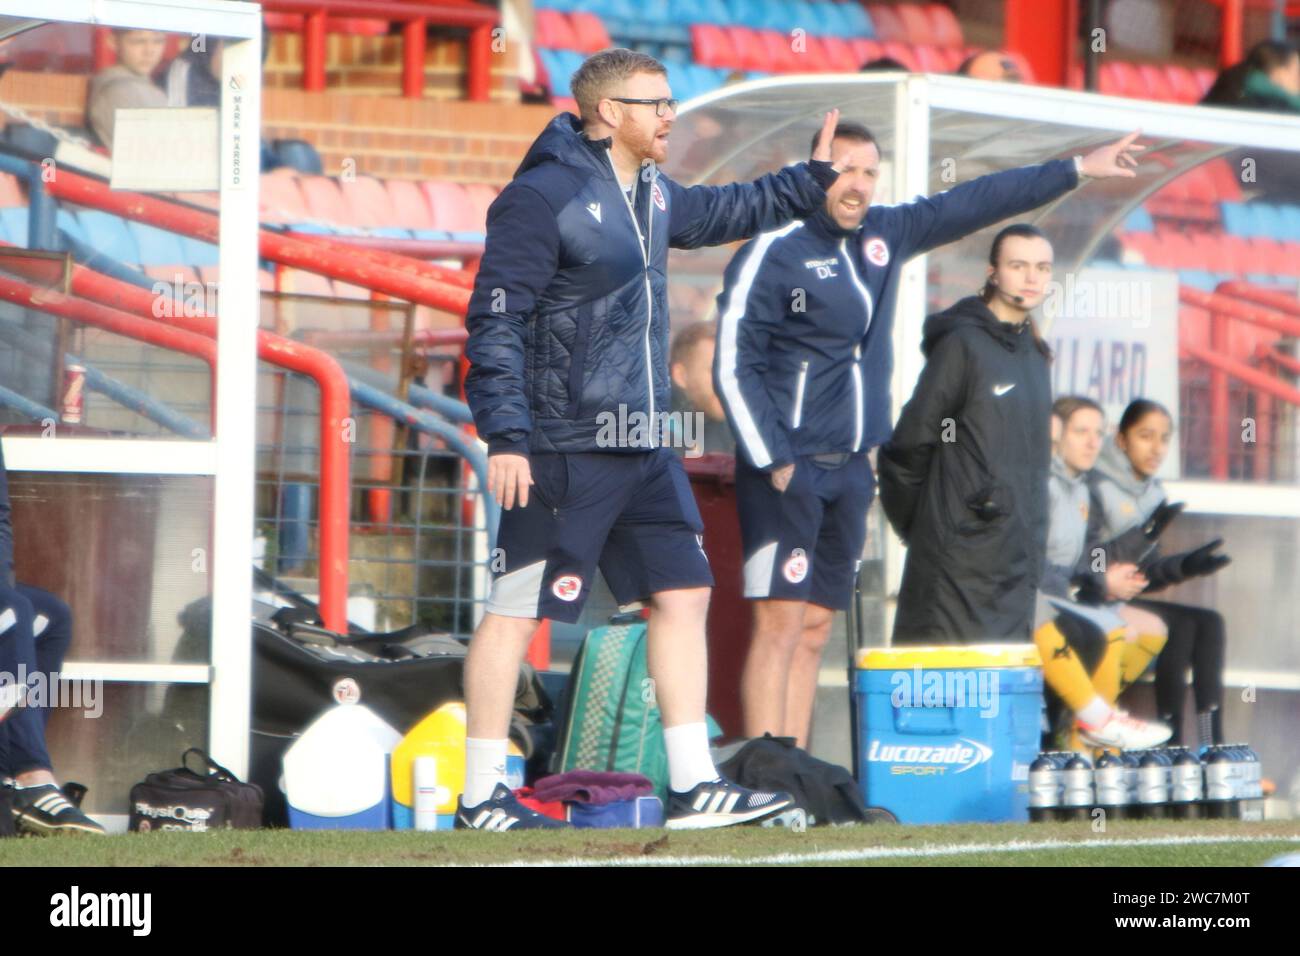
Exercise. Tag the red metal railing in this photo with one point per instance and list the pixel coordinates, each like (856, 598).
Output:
(1269, 310)
(415, 18)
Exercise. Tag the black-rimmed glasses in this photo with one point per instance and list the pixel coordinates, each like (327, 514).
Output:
(662, 105)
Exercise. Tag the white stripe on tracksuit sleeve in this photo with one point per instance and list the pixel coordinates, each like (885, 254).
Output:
(732, 314)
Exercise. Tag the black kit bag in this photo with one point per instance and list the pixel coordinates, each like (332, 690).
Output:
(826, 792)
(195, 801)
(7, 813)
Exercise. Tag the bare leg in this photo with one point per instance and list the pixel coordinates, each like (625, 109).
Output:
(492, 673)
(778, 626)
(801, 688)
(677, 654)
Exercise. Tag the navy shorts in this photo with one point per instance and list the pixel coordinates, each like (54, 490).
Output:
(632, 515)
(805, 544)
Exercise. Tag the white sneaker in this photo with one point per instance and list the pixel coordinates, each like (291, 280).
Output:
(1125, 732)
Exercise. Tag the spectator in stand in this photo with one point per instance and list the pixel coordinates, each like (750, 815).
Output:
(128, 84)
(691, 368)
(191, 78)
(884, 64)
(1268, 79)
(990, 65)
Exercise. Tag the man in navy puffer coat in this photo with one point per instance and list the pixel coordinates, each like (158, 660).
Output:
(568, 345)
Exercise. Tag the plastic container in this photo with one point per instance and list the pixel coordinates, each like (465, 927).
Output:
(440, 735)
(336, 773)
(947, 734)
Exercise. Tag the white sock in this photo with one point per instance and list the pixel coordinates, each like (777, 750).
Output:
(485, 767)
(689, 760)
(1094, 713)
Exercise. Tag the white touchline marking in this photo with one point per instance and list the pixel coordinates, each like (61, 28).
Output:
(881, 852)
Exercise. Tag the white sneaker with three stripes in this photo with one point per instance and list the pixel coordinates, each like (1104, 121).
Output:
(721, 803)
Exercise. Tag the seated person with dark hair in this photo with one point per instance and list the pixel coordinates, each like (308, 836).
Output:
(36, 628)
(990, 65)
(691, 367)
(128, 84)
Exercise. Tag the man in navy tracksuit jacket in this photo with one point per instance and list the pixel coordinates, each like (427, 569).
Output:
(568, 345)
(803, 368)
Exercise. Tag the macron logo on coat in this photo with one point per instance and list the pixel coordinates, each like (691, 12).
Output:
(594, 209)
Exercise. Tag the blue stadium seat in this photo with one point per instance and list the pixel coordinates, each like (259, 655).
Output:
(13, 225)
(557, 70)
(654, 11)
(829, 20)
(1139, 220)
(109, 235)
(565, 5)
(157, 246)
(1198, 279)
(676, 53)
(1291, 219)
(67, 222)
(431, 235)
(1269, 221)
(198, 253)
(858, 20)
(705, 11)
(1237, 220)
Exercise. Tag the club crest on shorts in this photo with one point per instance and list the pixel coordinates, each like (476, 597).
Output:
(346, 691)
(796, 566)
(567, 587)
(877, 252)
(657, 195)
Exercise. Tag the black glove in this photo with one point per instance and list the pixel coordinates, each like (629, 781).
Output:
(1160, 519)
(1203, 561)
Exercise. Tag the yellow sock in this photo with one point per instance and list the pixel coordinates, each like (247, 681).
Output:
(1137, 657)
(1106, 677)
(1061, 668)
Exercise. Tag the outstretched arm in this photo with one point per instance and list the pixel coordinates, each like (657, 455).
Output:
(714, 215)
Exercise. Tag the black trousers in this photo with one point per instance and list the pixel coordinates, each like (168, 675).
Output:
(1196, 640)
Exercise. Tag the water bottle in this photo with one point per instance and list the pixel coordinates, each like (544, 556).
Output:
(1131, 762)
(1237, 753)
(1044, 788)
(1187, 788)
(1077, 793)
(1153, 789)
(1256, 774)
(1218, 781)
(424, 773)
(1112, 790)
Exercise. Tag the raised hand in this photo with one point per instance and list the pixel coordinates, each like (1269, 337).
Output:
(822, 153)
(1116, 159)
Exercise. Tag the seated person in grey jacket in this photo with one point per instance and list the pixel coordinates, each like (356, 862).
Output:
(128, 84)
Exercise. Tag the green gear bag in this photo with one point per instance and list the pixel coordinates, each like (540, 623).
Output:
(611, 720)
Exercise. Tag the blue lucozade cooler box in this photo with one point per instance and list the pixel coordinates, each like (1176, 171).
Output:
(947, 734)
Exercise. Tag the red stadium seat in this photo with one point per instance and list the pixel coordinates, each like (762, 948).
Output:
(1204, 79)
(749, 49)
(1154, 83)
(902, 53)
(839, 55)
(451, 207)
(711, 46)
(480, 196)
(169, 273)
(781, 57)
(930, 58)
(1269, 255)
(1182, 83)
(813, 58)
(1227, 180)
(888, 24)
(916, 23)
(554, 31)
(410, 205)
(357, 26)
(1292, 260)
(10, 193)
(281, 198)
(368, 202)
(954, 56)
(325, 200)
(1199, 184)
(865, 50)
(945, 29)
(590, 32)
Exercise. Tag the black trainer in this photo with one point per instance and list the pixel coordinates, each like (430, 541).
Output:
(503, 811)
(45, 810)
(721, 803)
